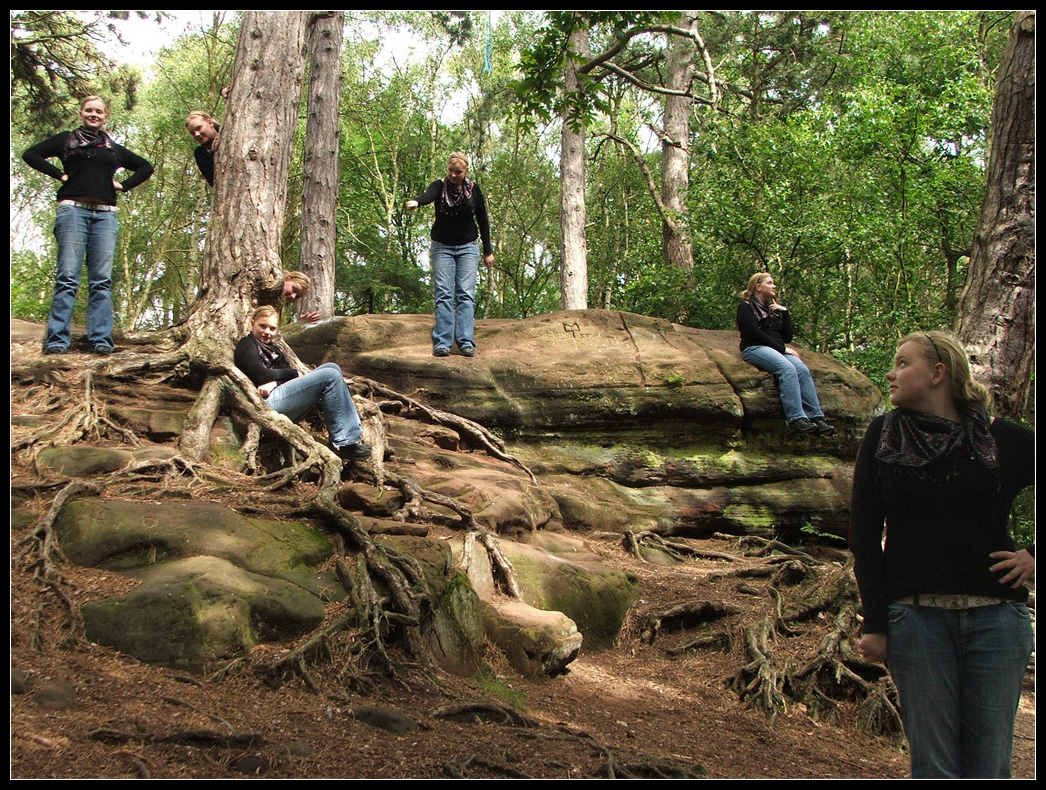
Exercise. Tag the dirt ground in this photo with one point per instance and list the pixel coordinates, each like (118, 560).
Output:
(635, 710)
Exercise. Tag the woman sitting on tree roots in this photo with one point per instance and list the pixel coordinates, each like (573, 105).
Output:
(944, 598)
(294, 396)
(766, 329)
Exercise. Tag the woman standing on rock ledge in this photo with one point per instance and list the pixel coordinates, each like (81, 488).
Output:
(766, 329)
(85, 225)
(461, 218)
(944, 597)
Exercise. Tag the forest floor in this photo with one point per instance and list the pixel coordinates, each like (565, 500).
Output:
(632, 710)
(638, 709)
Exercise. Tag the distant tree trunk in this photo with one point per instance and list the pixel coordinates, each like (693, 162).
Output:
(573, 276)
(242, 259)
(675, 146)
(319, 200)
(997, 308)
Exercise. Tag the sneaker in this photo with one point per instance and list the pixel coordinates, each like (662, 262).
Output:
(441, 351)
(103, 351)
(54, 350)
(353, 452)
(802, 425)
(468, 350)
(823, 427)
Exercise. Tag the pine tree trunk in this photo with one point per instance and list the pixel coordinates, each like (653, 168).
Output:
(241, 264)
(573, 278)
(675, 147)
(319, 200)
(997, 308)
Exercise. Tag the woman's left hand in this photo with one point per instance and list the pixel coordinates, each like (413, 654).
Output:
(117, 186)
(1020, 564)
(489, 260)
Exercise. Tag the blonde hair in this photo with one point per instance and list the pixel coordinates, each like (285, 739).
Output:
(460, 156)
(201, 114)
(937, 346)
(94, 97)
(753, 283)
(264, 310)
(301, 278)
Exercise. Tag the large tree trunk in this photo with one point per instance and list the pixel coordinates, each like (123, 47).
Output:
(252, 161)
(997, 308)
(675, 146)
(319, 200)
(573, 276)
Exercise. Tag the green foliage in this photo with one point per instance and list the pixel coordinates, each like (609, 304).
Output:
(58, 57)
(844, 153)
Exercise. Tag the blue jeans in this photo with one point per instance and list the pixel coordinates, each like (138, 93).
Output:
(958, 673)
(454, 271)
(798, 393)
(324, 386)
(80, 233)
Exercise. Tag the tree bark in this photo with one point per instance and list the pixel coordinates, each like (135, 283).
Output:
(319, 199)
(675, 146)
(573, 276)
(997, 308)
(252, 161)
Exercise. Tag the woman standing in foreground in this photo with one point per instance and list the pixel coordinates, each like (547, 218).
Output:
(85, 221)
(454, 254)
(944, 599)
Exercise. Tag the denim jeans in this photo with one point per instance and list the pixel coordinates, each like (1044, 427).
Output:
(324, 386)
(958, 673)
(798, 393)
(80, 233)
(454, 270)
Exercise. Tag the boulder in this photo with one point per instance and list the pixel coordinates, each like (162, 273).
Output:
(629, 422)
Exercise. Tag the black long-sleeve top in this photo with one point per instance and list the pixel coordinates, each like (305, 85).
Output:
(88, 176)
(457, 225)
(262, 368)
(941, 521)
(204, 156)
(774, 331)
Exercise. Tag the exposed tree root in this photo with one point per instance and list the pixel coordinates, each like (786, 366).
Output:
(759, 683)
(690, 614)
(472, 431)
(41, 551)
(636, 541)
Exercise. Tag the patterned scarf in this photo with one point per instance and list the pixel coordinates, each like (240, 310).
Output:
(453, 197)
(915, 439)
(85, 142)
(270, 355)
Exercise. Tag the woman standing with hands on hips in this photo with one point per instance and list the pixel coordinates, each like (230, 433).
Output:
(944, 597)
(85, 221)
(461, 219)
(766, 329)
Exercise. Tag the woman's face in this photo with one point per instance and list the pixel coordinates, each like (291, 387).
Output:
(766, 289)
(456, 171)
(912, 378)
(93, 114)
(265, 328)
(201, 129)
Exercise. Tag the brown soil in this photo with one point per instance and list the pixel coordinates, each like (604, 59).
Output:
(634, 705)
(632, 710)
